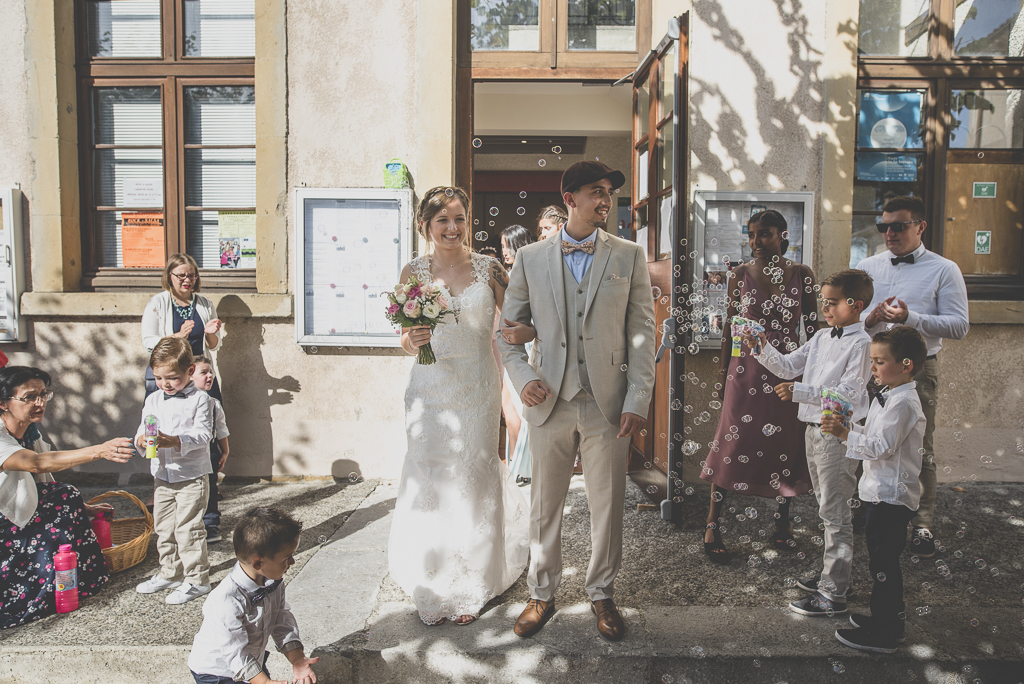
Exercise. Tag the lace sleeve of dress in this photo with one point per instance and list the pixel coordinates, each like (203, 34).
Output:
(481, 268)
(421, 269)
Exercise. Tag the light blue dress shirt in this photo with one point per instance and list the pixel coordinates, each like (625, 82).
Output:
(578, 262)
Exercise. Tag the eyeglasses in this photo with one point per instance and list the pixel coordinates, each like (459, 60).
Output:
(186, 276)
(897, 226)
(37, 399)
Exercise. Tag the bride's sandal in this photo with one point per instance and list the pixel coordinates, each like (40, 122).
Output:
(715, 550)
(464, 620)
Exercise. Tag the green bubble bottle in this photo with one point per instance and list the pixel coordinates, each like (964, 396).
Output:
(152, 430)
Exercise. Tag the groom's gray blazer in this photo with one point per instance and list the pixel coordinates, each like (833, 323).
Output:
(618, 325)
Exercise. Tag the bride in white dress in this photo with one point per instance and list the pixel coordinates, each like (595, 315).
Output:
(460, 531)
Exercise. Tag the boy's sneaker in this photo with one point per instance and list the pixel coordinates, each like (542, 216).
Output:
(811, 584)
(186, 592)
(155, 584)
(922, 544)
(864, 639)
(867, 622)
(213, 535)
(816, 605)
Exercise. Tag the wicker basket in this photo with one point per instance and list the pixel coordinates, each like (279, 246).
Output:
(130, 535)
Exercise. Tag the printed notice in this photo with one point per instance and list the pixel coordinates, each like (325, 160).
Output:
(983, 242)
(984, 191)
(237, 231)
(143, 193)
(142, 240)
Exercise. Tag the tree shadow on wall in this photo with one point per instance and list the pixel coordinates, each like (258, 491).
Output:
(788, 129)
(249, 393)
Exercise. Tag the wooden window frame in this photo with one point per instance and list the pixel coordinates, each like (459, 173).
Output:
(553, 59)
(938, 74)
(172, 72)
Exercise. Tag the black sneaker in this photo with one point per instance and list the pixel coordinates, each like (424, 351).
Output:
(811, 584)
(213, 535)
(816, 605)
(922, 543)
(867, 622)
(866, 640)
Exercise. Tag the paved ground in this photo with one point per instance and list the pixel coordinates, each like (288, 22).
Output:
(689, 621)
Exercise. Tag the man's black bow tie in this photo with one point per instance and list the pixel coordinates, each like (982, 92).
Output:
(263, 592)
(878, 395)
(837, 332)
(908, 259)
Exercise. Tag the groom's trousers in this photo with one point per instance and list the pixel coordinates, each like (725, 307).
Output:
(576, 423)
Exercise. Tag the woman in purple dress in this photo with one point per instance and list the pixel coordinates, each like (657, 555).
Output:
(759, 445)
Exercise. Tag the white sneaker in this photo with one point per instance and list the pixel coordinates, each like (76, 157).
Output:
(186, 592)
(155, 584)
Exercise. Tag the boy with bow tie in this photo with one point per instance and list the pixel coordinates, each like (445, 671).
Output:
(837, 360)
(249, 607)
(890, 445)
(185, 419)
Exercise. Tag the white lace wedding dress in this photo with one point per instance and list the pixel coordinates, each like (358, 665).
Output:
(460, 532)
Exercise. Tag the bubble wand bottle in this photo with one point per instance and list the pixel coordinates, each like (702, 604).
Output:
(152, 430)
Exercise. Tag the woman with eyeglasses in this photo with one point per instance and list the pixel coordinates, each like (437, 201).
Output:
(180, 311)
(37, 515)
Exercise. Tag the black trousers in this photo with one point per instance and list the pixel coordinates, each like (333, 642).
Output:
(886, 532)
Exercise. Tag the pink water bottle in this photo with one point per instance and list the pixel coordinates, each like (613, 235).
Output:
(66, 583)
(101, 526)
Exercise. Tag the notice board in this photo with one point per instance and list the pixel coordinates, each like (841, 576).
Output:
(12, 275)
(722, 244)
(351, 246)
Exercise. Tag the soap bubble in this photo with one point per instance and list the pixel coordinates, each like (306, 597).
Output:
(623, 367)
(522, 195)
(541, 162)
(751, 513)
(354, 477)
(494, 211)
(321, 539)
(747, 418)
(521, 211)
(557, 149)
(481, 236)
(477, 142)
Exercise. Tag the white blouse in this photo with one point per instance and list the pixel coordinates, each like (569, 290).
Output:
(18, 494)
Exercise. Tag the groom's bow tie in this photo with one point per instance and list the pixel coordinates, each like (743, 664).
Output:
(570, 247)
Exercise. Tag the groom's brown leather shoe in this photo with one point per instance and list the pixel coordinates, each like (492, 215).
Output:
(609, 622)
(537, 613)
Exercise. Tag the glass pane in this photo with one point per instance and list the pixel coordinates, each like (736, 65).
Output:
(665, 156)
(220, 178)
(505, 25)
(132, 179)
(992, 119)
(640, 223)
(867, 241)
(220, 28)
(895, 27)
(642, 173)
(107, 226)
(203, 240)
(884, 175)
(127, 116)
(668, 82)
(988, 27)
(890, 119)
(666, 226)
(643, 110)
(606, 25)
(124, 28)
(224, 115)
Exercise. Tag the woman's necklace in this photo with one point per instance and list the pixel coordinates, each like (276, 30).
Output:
(185, 312)
(433, 260)
(27, 439)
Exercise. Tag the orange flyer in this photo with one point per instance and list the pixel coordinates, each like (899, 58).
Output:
(142, 240)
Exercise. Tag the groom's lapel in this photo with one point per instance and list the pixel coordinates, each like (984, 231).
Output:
(556, 265)
(602, 252)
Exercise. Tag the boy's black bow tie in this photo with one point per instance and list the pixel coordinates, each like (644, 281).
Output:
(837, 332)
(264, 591)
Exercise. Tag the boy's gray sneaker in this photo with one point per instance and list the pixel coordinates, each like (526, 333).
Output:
(816, 605)
(186, 592)
(155, 584)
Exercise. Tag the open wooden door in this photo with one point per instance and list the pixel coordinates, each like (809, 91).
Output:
(660, 119)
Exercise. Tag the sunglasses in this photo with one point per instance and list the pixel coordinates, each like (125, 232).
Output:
(896, 226)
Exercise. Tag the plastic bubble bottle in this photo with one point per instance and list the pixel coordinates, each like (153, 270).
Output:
(152, 430)
(66, 584)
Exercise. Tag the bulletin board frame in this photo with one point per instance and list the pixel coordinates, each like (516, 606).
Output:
(705, 203)
(12, 328)
(376, 271)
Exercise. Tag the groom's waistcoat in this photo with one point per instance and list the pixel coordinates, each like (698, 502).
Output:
(576, 377)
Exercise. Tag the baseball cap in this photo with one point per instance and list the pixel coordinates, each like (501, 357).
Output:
(583, 172)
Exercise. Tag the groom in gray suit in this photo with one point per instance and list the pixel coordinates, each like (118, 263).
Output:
(587, 387)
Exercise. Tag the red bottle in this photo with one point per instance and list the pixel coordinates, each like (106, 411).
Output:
(101, 526)
(66, 582)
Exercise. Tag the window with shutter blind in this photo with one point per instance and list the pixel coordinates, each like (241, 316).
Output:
(170, 160)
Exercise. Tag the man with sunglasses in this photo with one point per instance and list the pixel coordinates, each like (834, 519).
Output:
(919, 288)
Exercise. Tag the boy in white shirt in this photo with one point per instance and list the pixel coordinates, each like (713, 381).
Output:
(890, 445)
(836, 358)
(203, 377)
(185, 421)
(249, 607)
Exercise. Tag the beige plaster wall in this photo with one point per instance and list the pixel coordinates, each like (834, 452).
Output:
(14, 156)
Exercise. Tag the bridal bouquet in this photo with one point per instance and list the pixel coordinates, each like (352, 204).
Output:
(414, 303)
